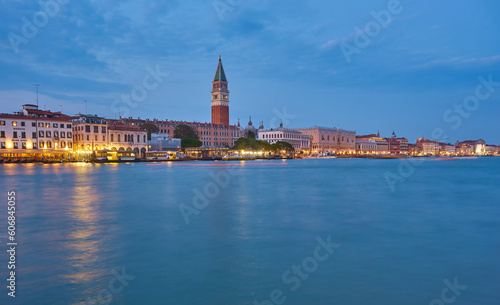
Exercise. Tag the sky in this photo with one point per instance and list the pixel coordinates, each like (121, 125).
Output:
(420, 68)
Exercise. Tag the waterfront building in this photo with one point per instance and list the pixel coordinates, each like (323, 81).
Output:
(90, 132)
(123, 137)
(428, 147)
(299, 141)
(414, 150)
(35, 134)
(382, 144)
(492, 149)
(446, 149)
(162, 142)
(471, 147)
(397, 145)
(331, 140)
(366, 147)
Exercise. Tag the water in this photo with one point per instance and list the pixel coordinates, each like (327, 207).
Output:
(79, 222)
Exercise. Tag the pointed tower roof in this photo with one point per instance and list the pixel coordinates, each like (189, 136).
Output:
(220, 75)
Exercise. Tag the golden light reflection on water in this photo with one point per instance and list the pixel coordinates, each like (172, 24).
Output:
(84, 237)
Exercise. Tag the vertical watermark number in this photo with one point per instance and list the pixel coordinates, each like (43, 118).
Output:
(11, 242)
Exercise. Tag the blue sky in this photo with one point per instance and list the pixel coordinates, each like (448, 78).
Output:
(282, 58)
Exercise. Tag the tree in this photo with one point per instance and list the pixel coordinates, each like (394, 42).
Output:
(246, 143)
(251, 135)
(150, 128)
(281, 145)
(263, 145)
(184, 131)
(189, 142)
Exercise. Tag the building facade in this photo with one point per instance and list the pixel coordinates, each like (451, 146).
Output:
(35, 134)
(332, 140)
(123, 137)
(90, 132)
(299, 141)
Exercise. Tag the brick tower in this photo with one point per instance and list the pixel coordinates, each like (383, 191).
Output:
(220, 97)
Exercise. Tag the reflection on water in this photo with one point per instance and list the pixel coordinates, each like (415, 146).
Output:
(82, 238)
(78, 222)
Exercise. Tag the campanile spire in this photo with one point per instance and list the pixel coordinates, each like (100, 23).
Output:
(220, 97)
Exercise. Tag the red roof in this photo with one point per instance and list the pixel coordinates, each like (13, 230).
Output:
(31, 118)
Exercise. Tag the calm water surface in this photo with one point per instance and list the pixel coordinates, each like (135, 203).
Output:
(80, 224)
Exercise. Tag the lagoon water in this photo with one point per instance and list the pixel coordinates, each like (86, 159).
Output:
(81, 225)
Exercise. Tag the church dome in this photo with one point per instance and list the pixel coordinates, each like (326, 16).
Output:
(250, 127)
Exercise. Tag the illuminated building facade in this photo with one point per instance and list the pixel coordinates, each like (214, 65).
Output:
(299, 141)
(324, 139)
(35, 134)
(90, 132)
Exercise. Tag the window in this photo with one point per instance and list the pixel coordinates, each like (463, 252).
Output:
(2, 123)
(96, 129)
(40, 124)
(69, 134)
(87, 128)
(42, 144)
(23, 123)
(2, 145)
(49, 134)
(103, 129)
(63, 144)
(23, 135)
(88, 138)
(118, 138)
(95, 138)
(23, 145)
(33, 124)
(16, 145)
(138, 138)
(47, 125)
(49, 144)
(55, 125)
(104, 138)
(33, 135)
(34, 145)
(56, 134)
(15, 135)
(63, 134)
(14, 123)
(112, 137)
(41, 134)
(144, 139)
(68, 125)
(2, 134)
(70, 144)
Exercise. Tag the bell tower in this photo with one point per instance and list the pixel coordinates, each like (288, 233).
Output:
(220, 97)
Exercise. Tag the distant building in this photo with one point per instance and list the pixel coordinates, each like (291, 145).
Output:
(428, 147)
(34, 133)
(299, 141)
(470, 147)
(162, 142)
(333, 140)
(446, 149)
(366, 147)
(397, 145)
(382, 144)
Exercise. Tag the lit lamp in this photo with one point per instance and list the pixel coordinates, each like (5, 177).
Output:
(28, 145)
(9, 144)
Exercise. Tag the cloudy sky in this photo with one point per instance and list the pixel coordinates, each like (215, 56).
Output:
(367, 65)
